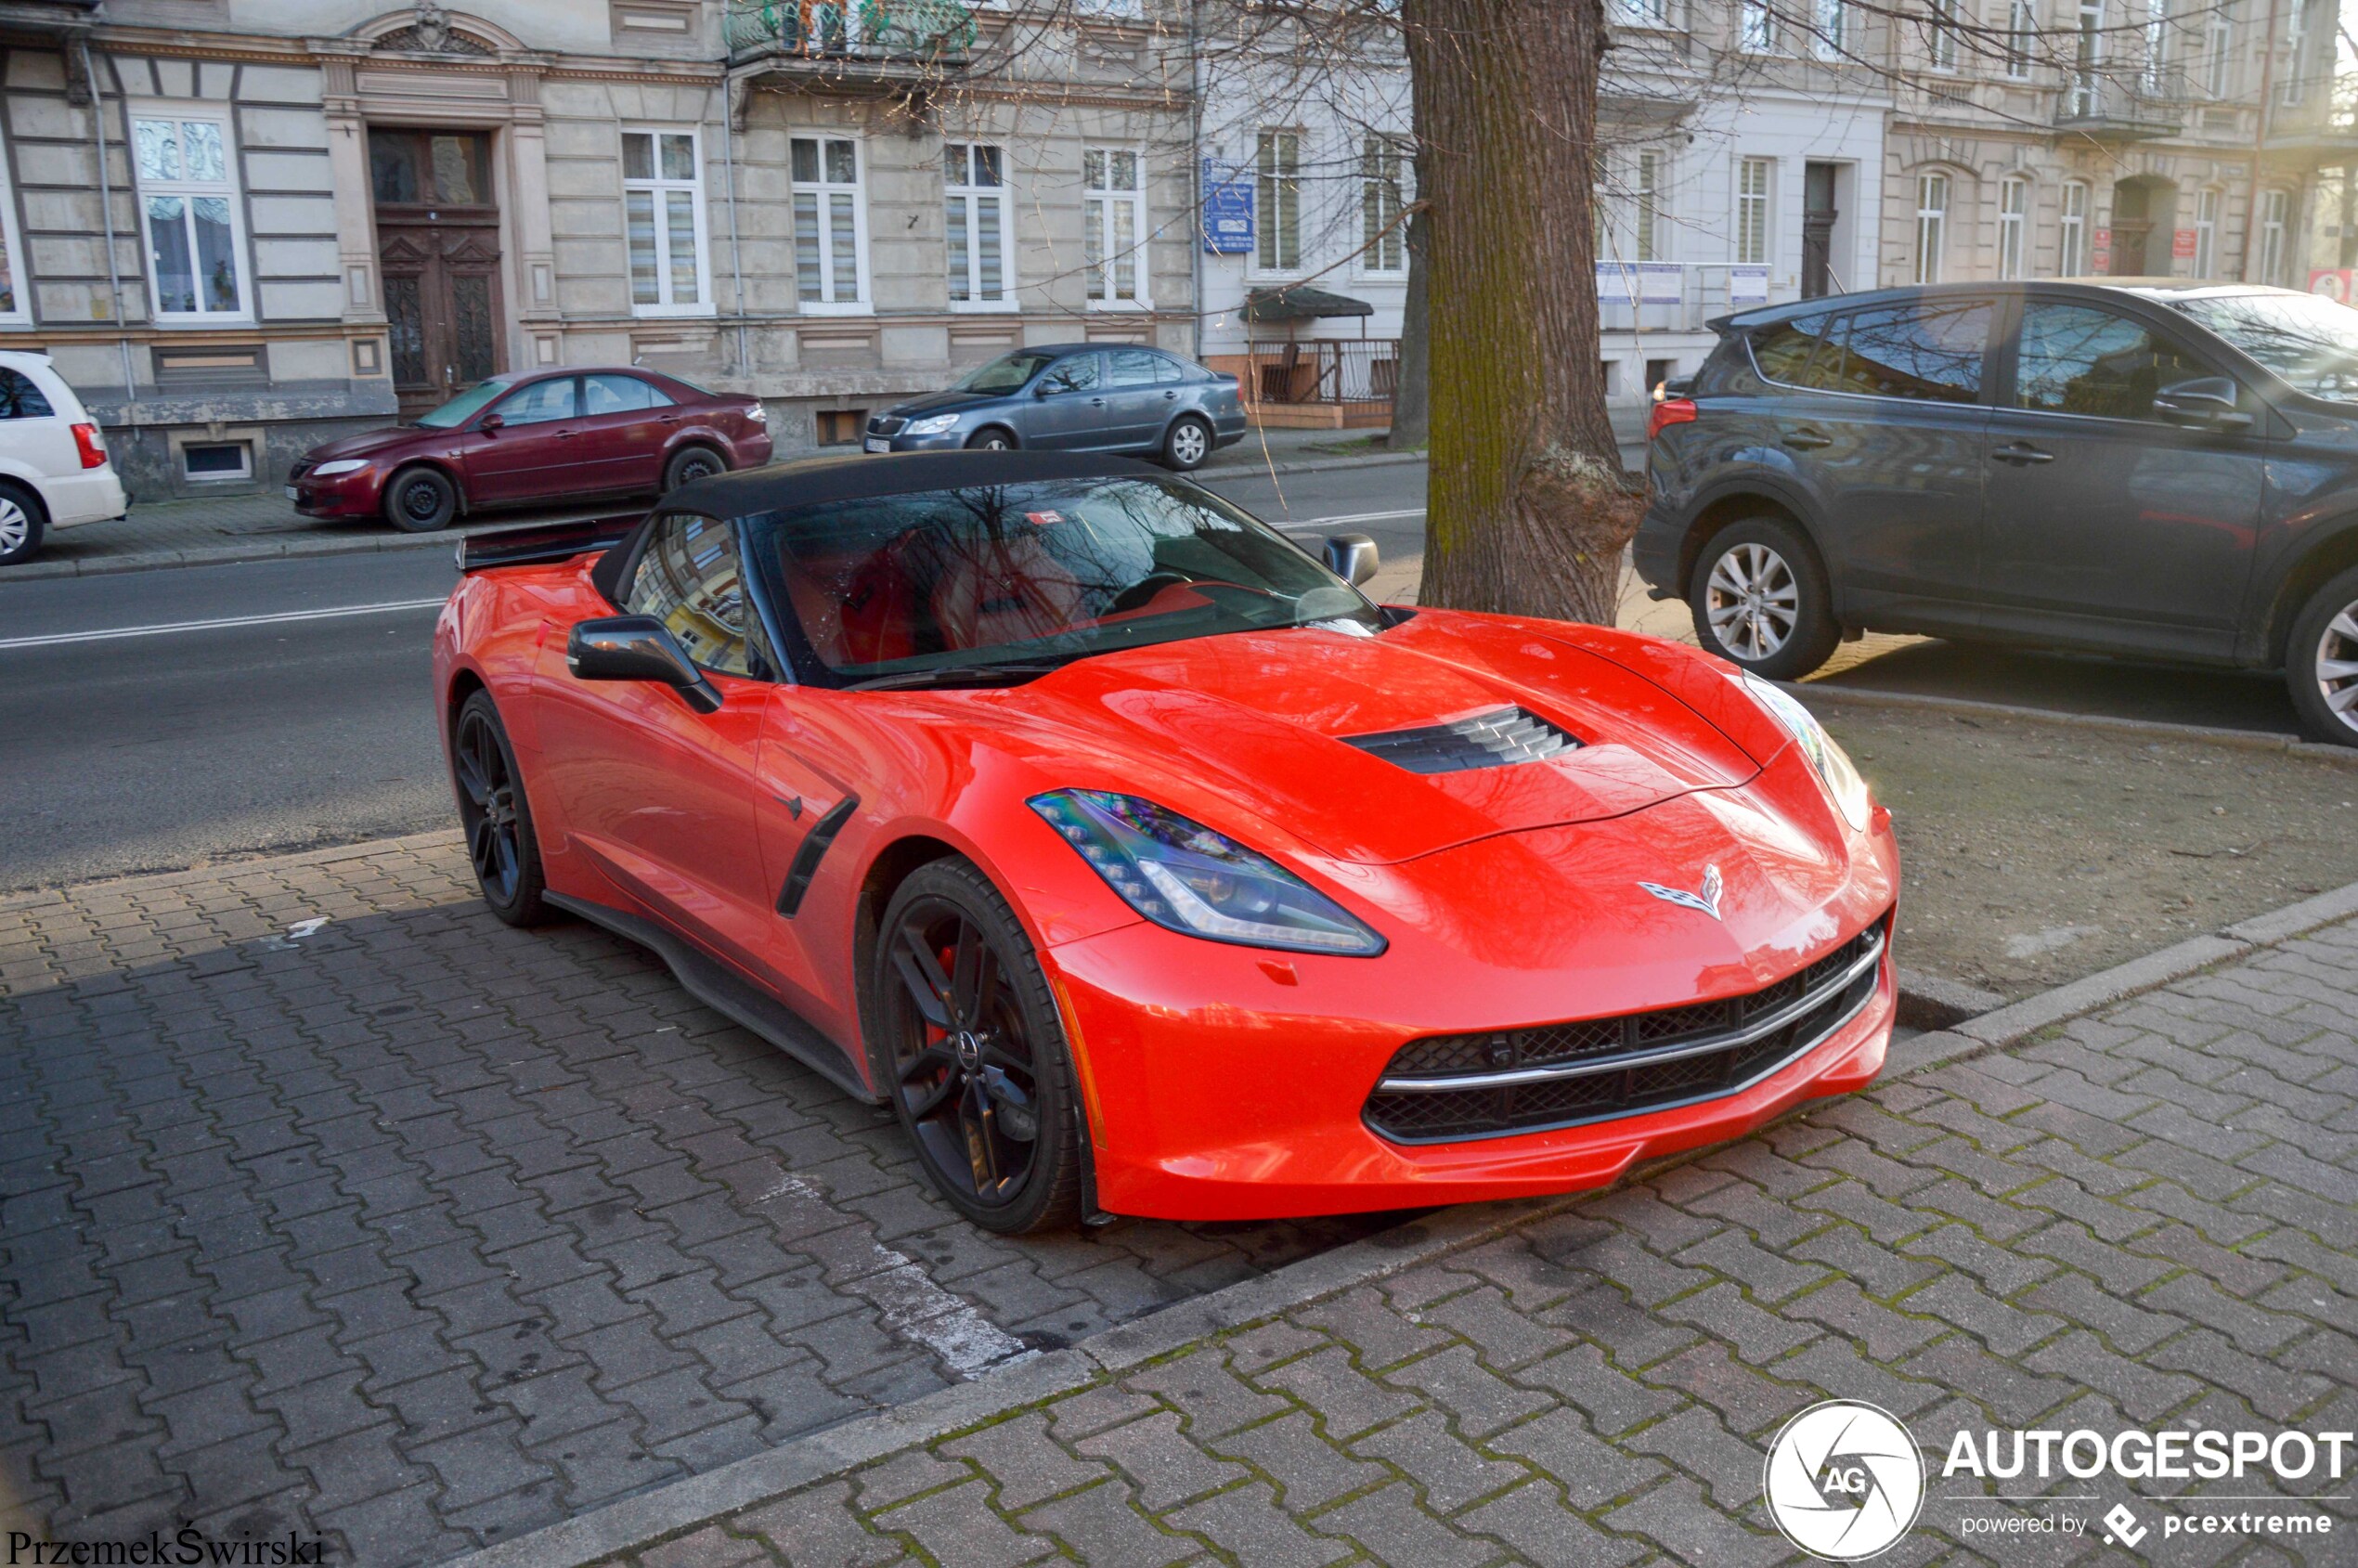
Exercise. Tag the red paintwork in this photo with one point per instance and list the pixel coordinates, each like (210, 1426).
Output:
(1225, 1082)
(585, 458)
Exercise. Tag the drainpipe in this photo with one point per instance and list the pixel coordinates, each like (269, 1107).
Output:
(106, 221)
(1194, 142)
(2258, 142)
(729, 173)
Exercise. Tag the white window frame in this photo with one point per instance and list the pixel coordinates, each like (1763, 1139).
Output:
(660, 188)
(1947, 15)
(2210, 201)
(1828, 36)
(821, 190)
(1647, 230)
(1754, 239)
(1640, 13)
(2071, 231)
(2088, 55)
(2022, 38)
(2157, 46)
(12, 248)
(1385, 171)
(2275, 221)
(973, 196)
(1275, 182)
(2293, 86)
(2219, 51)
(2014, 226)
(1097, 208)
(1933, 190)
(229, 187)
(1756, 27)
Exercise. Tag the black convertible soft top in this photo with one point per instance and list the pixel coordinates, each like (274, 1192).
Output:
(854, 476)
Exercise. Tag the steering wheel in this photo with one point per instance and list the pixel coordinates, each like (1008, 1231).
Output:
(1145, 588)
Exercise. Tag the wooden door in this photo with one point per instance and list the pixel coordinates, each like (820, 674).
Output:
(438, 252)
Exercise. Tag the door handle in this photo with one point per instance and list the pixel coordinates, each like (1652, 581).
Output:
(2022, 453)
(1807, 440)
(567, 435)
(1171, 397)
(1096, 402)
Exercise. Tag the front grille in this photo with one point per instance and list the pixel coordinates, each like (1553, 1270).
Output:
(302, 467)
(1496, 739)
(886, 424)
(1458, 1086)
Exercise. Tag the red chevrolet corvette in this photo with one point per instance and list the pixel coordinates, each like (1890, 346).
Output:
(1141, 864)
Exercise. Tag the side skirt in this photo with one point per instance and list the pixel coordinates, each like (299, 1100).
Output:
(720, 988)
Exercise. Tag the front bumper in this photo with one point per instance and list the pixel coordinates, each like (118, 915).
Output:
(346, 495)
(948, 441)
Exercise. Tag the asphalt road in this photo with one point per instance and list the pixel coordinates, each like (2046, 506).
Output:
(156, 741)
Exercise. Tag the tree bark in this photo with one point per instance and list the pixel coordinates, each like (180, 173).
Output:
(1528, 508)
(1411, 426)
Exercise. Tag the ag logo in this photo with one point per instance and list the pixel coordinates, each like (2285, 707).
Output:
(1844, 1480)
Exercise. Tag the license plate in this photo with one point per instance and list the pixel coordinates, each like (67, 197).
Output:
(876, 446)
(291, 492)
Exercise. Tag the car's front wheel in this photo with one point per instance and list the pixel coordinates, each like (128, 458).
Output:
(1760, 599)
(421, 500)
(2321, 666)
(1186, 445)
(993, 439)
(972, 1052)
(20, 525)
(495, 815)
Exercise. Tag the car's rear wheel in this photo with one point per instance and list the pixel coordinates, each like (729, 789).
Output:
(421, 500)
(990, 440)
(2321, 666)
(495, 814)
(1186, 443)
(1760, 599)
(21, 525)
(689, 464)
(973, 1051)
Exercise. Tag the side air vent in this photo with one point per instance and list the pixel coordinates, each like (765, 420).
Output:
(1499, 739)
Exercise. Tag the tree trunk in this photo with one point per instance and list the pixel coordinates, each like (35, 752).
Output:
(1528, 506)
(1411, 426)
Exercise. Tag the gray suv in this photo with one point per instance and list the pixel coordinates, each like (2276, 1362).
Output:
(2147, 468)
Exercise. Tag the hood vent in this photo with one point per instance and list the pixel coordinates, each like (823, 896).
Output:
(1497, 738)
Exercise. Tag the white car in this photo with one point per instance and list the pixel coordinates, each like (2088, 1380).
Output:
(54, 471)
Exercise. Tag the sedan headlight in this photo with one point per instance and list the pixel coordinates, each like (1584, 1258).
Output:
(1835, 769)
(934, 426)
(341, 466)
(1181, 874)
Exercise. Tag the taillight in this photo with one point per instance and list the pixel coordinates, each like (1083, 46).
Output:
(91, 444)
(759, 414)
(1670, 410)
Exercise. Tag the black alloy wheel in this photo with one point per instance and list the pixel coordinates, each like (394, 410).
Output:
(495, 814)
(421, 500)
(689, 464)
(976, 1067)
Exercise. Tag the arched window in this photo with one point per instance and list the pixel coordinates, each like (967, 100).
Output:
(2071, 231)
(2207, 204)
(2276, 210)
(1932, 224)
(2014, 225)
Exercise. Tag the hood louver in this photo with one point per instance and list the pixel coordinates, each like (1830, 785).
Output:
(1497, 738)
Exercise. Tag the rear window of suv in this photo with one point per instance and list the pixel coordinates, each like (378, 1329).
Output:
(1922, 350)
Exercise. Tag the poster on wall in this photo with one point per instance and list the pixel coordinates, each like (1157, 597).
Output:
(1747, 285)
(2335, 283)
(1228, 207)
(1640, 282)
(2182, 243)
(2100, 253)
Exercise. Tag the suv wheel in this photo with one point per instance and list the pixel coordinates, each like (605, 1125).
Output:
(2321, 664)
(20, 525)
(1760, 599)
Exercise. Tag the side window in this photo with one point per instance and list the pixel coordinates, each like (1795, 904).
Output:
(540, 403)
(20, 399)
(619, 395)
(1131, 367)
(1927, 350)
(1783, 351)
(1076, 375)
(2078, 360)
(1168, 372)
(690, 578)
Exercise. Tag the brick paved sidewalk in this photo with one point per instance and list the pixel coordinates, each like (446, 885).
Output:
(2148, 1217)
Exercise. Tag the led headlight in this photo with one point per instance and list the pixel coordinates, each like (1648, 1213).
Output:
(1180, 874)
(934, 426)
(341, 466)
(1835, 769)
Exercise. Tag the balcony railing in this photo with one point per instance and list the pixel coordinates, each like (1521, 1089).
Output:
(2128, 102)
(879, 32)
(1321, 384)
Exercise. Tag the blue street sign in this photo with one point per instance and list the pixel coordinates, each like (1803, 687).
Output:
(1227, 208)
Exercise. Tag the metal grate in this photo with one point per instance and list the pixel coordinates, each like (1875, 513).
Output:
(886, 424)
(1497, 738)
(1560, 1075)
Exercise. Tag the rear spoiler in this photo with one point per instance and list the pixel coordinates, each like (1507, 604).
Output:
(538, 543)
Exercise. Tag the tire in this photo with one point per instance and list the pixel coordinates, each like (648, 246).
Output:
(689, 464)
(21, 525)
(421, 500)
(496, 815)
(1186, 443)
(973, 1055)
(1763, 581)
(991, 439)
(2321, 664)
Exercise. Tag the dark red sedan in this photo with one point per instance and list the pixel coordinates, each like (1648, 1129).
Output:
(520, 439)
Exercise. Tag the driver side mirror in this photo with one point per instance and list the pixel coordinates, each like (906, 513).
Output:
(2206, 403)
(638, 648)
(1351, 557)
(490, 422)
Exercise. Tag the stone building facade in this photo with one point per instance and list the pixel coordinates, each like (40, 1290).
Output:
(324, 213)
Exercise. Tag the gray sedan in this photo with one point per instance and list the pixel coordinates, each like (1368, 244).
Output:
(1074, 397)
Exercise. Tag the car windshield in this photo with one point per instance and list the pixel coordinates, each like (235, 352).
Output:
(464, 406)
(997, 582)
(2307, 339)
(1007, 373)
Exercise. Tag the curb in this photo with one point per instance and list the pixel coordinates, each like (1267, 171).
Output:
(307, 545)
(670, 1509)
(2249, 740)
(433, 839)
